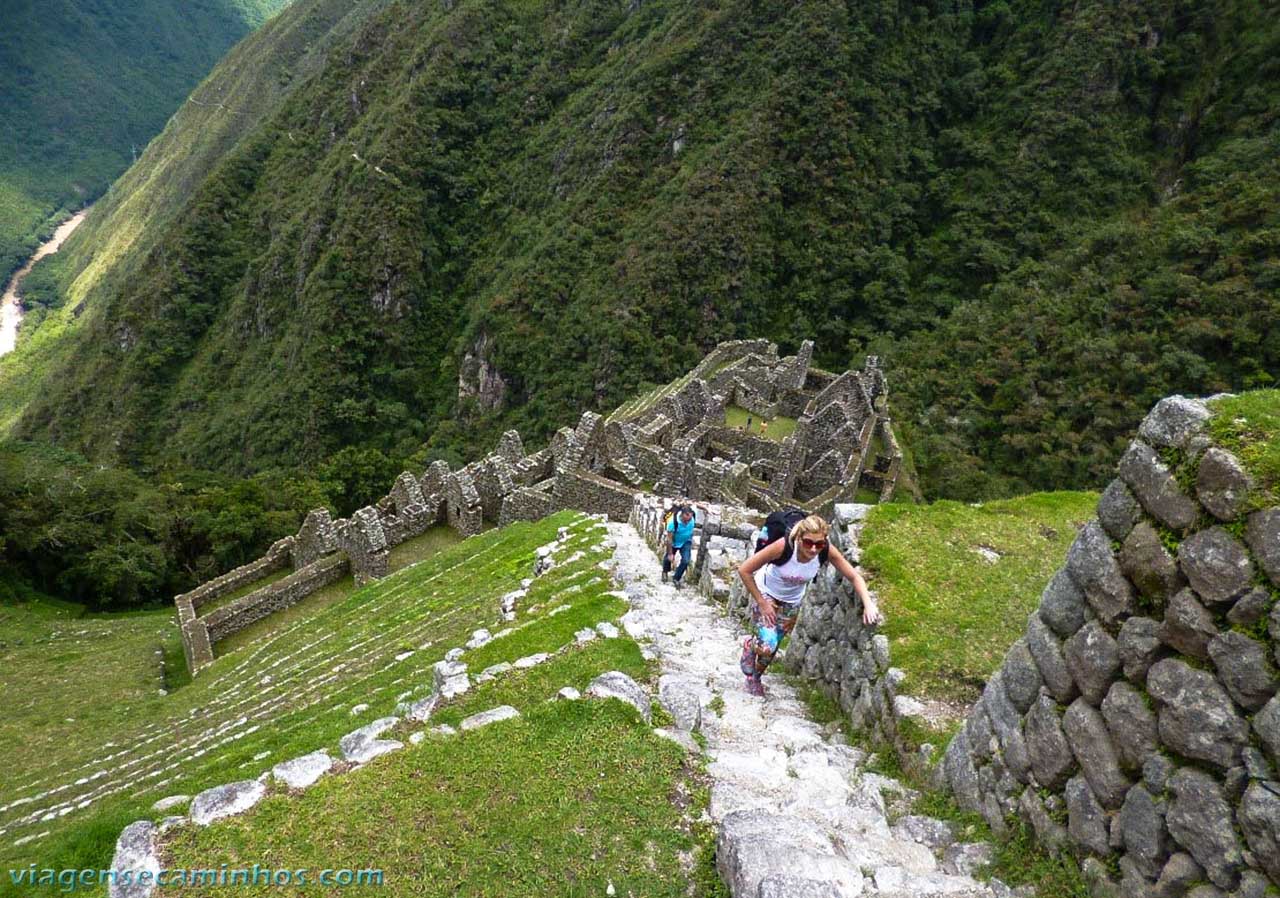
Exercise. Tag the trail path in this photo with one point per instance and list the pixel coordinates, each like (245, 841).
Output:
(796, 813)
(10, 307)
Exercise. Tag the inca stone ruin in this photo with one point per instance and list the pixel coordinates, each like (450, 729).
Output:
(673, 442)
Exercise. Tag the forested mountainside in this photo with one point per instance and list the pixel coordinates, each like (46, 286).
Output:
(85, 86)
(481, 214)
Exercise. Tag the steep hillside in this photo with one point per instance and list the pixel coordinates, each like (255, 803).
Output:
(481, 215)
(84, 87)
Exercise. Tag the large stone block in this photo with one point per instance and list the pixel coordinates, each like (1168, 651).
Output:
(1200, 819)
(1148, 565)
(1021, 676)
(1093, 658)
(1096, 571)
(1131, 723)
(1142, 830)
(1091, 744)
(961, 773)
(1260, 821)
(1188, 626)
(1196, 717)
(1155, 487)
(1139, 645)
(1216, 564)
(1263, 536)
(1244, 669)
(1062, 605)
(1118, 510)
(1051, 757)
(1222, 484)
(1266, 723)
(1046, 650)
(1173, 421)
(1086, 820)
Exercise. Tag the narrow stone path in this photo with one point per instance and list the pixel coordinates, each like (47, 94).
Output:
(796, 814)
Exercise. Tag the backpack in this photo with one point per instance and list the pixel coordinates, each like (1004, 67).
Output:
(671, 513)
(778, 526)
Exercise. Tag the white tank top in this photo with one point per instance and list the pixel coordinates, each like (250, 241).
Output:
(787, 582)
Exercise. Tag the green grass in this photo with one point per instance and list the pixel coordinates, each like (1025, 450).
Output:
(286, 617)
(420, 548)
(1249, 426)
(780, 427)
(211, 730)
(951, 615)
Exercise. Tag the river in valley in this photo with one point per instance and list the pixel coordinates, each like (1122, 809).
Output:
(11, 309)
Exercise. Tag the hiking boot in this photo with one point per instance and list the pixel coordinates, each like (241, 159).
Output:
(677, 584)
(665, 575)
(755, 686)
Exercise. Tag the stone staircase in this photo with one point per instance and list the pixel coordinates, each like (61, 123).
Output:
(796, 812)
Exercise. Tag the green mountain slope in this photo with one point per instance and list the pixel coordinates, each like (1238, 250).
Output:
(1044, 216)
(84, 87)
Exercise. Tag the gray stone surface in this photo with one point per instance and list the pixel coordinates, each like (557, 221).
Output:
(1249, 608)
(1266, 723)
(1093, 658)
(302, 772)
(1156, 771)
(1260, 823)
(1091, 744)
(1263, 537)
(1021, 677)
(1118, 510)
(1007, 723)
(1244, 668)
(616, 684)
(1222, 484)
(1046, 650)
(933, 834)
(1173, 421)
(757, 843)
(961, 773)
(1180, 871)
(683, 697)
(1216, 564)
(363, 745)
(1132, 725)
(1188, 626)
(1051, 759)
(789, 885)
(1148, 565)
(1196, 717)
(1200, 819)
(421, 710)
(171, 802)
(1155, 487)
(1062, 605)
(1142, 830)
(1086, 820)
(225, 801)
(1096, 571)
(965, 858)
(136, 854)
(1139, 645)
(484, 718)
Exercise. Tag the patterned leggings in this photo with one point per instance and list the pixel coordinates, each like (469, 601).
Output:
(757, 654)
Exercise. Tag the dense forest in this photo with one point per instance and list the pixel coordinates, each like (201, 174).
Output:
(1043, 217)
(85, 86)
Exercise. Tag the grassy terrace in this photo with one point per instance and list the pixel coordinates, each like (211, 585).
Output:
(1249, 425)
(779, 428)
(117, 744)
(957, 581)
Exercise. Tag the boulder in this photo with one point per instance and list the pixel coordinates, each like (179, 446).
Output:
(1096, 571)
(1200, 819)
(1173, 421)
(1222, 484)
(302, 772)
(1243, 668)
(616, 684)
(1142, 830)
(682, 697)
(1249, 608)
(1260, 822)
(1093, 658)
(1139, 646)
(1062, 605)
(1118, 510)
(171, 802)
(754, 845)
(1086, 820)
(363, 745)
(961, 773)
(1091, 744)
(1263, 537)
(1188, 626)
(1046, 650)
(1196, 717)
(1156, 771)
(1132, 725)
(1148, 565)
(1021, 677)
(965, 858)
(1180, 871)
(484, 718)
(1266, 723)
(1051, 757)
(136, 854)
(1155, 487)
(1216, 564)
(1050, 833)
(226, 801)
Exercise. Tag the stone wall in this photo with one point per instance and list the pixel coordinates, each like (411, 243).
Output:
(1136, 724)
(276, 559)
(228, 619)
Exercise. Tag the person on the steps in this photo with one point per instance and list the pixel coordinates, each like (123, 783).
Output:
(679, 540)
(777, 577)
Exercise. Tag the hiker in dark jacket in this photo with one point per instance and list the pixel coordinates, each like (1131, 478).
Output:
(776, 577)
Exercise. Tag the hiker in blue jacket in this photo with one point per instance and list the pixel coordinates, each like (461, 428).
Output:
(679, 539)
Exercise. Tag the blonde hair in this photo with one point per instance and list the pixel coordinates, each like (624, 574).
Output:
(812, 524)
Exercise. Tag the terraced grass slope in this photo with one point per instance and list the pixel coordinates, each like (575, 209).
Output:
(66, 796)
(957, 582)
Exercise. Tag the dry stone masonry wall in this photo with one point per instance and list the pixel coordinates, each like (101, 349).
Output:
(674, 442)
(1137, 723)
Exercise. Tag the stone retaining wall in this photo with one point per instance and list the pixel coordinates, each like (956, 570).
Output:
(1136, 724)
(275, 597)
